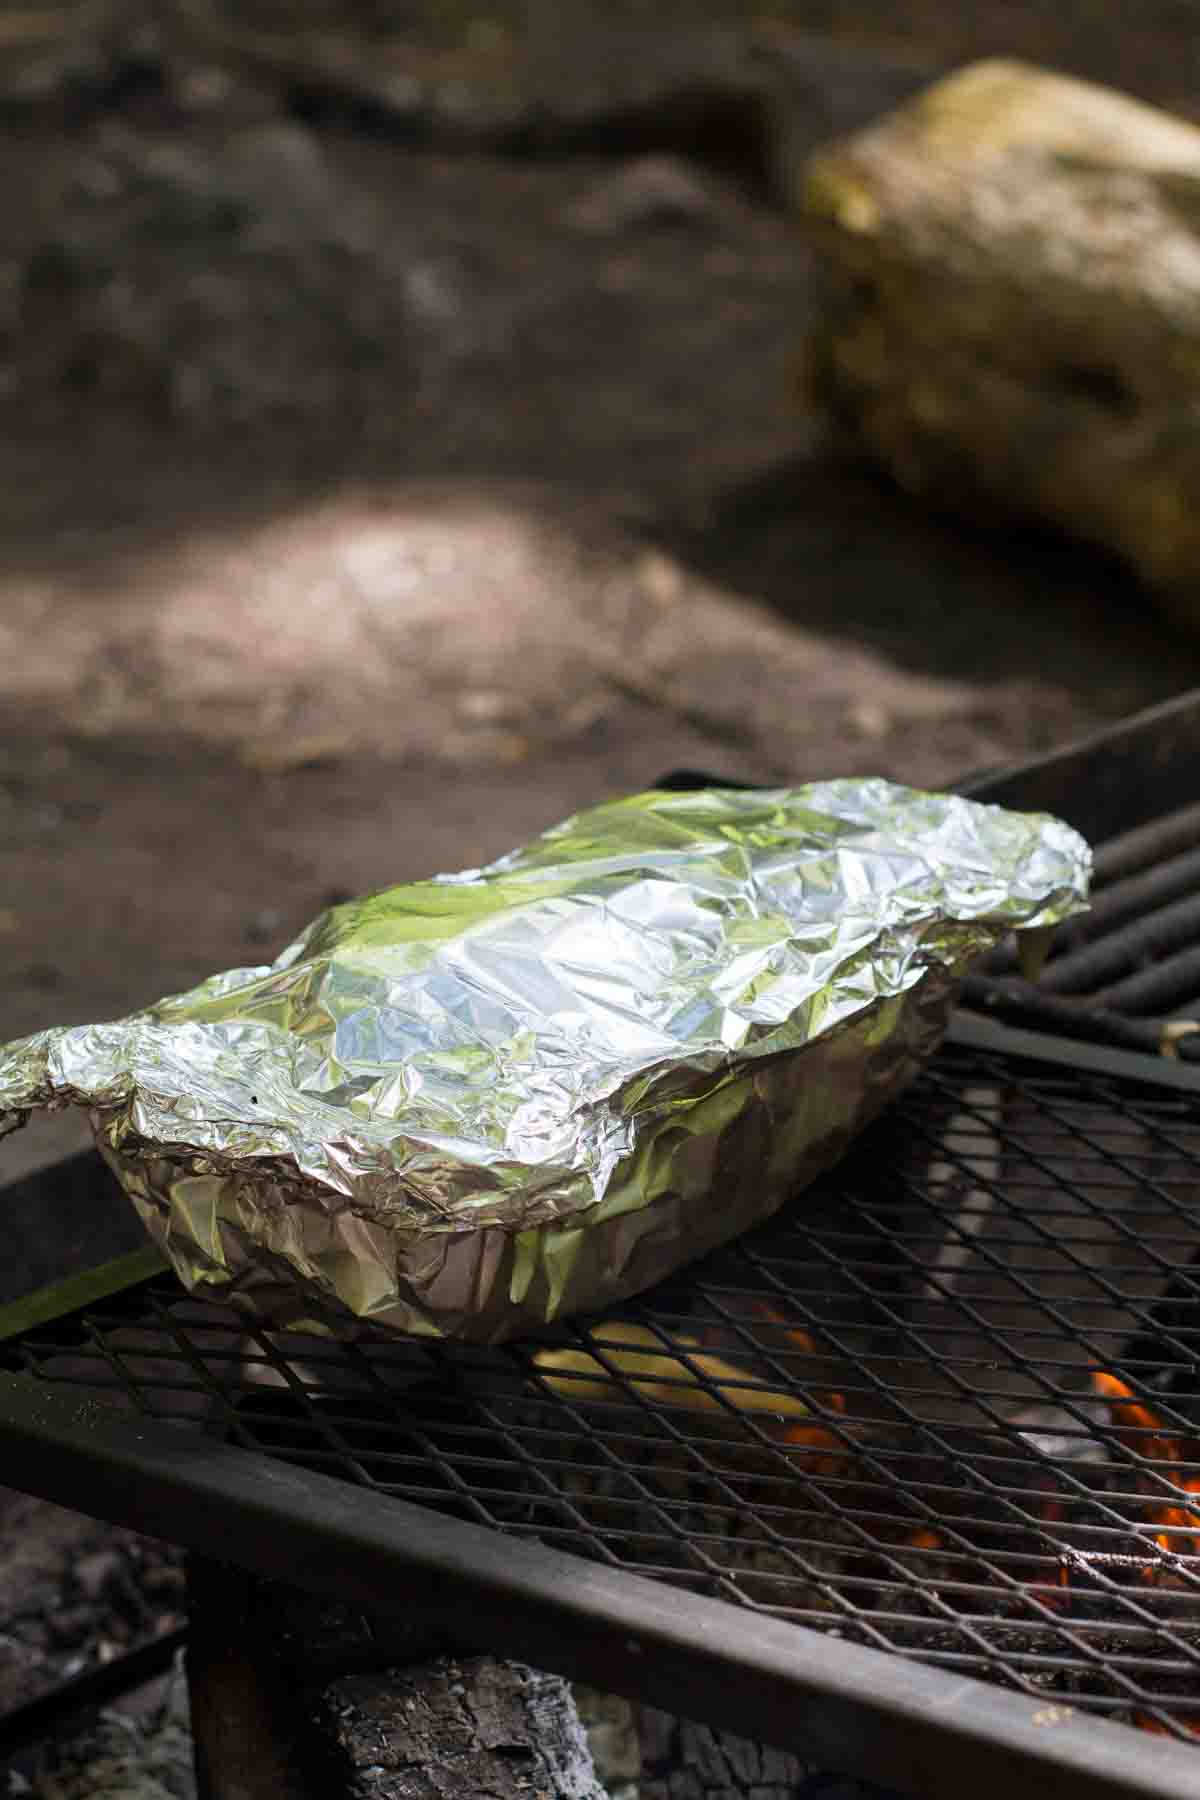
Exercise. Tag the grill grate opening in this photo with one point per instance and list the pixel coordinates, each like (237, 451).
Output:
(947, 1405)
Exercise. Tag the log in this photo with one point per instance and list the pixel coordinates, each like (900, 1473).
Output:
(294, 1698)
(469, 1727)
(1012, 320)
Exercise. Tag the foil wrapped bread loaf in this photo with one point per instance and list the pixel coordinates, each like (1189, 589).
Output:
(466, 1106)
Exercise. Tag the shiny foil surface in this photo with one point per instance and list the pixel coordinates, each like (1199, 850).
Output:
(470, 1105)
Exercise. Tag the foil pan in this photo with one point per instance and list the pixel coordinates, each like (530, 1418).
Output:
(468, 1106)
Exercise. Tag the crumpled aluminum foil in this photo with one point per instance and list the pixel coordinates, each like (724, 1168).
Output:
(468, 1106)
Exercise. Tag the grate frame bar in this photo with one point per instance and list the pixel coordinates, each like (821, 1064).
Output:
(923, 1729)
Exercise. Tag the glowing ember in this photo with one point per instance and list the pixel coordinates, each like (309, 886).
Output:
(812, 1437)
(823, 1453)
(1143, 1432)
(795, 1334)
(1053, 1596)
(1180, 1518)
(924, 1539)
(1150, 1722)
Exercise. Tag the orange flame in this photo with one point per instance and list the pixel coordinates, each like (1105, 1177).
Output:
(823, 1452)
(813, 1438)
(1143, 1432)
(1147, 1722)
(795, 1334)
(924, 1539)
(1180, 1518)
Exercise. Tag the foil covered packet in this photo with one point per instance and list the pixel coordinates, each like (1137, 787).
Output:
(470, 1105)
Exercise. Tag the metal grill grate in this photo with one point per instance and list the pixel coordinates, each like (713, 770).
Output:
(1128, 972)
(991, 1312)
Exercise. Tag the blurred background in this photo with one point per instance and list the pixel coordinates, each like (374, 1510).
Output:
(405, 444)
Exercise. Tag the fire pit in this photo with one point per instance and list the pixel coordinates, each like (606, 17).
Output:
(947, 1407)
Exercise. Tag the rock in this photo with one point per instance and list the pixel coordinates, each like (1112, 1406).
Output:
(265, 182)
(1013, 322)
(70, 1625)
(98, 1571)
(207, 282)
(279, 171)
(164, 1581)
(662, 579)
(649, 191)
(50, 51)
(122, 1757)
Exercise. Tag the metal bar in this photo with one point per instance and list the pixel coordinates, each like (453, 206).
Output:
(1101, 962)
(924, 1730)
(59, 1298)
(1024, 1004)
(37, 1719)
(1167, 986)
(1148, 844)
(1134, 895)
(972, 1033)
(1103, 784)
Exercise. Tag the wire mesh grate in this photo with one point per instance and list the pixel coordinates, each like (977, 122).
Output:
(947, 1405)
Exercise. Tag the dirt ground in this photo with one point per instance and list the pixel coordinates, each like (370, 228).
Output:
(369, 505)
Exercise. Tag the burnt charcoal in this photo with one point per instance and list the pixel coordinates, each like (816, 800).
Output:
(686, 1761)
(100, 1570)
(72, 1625)
(459, 1726)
